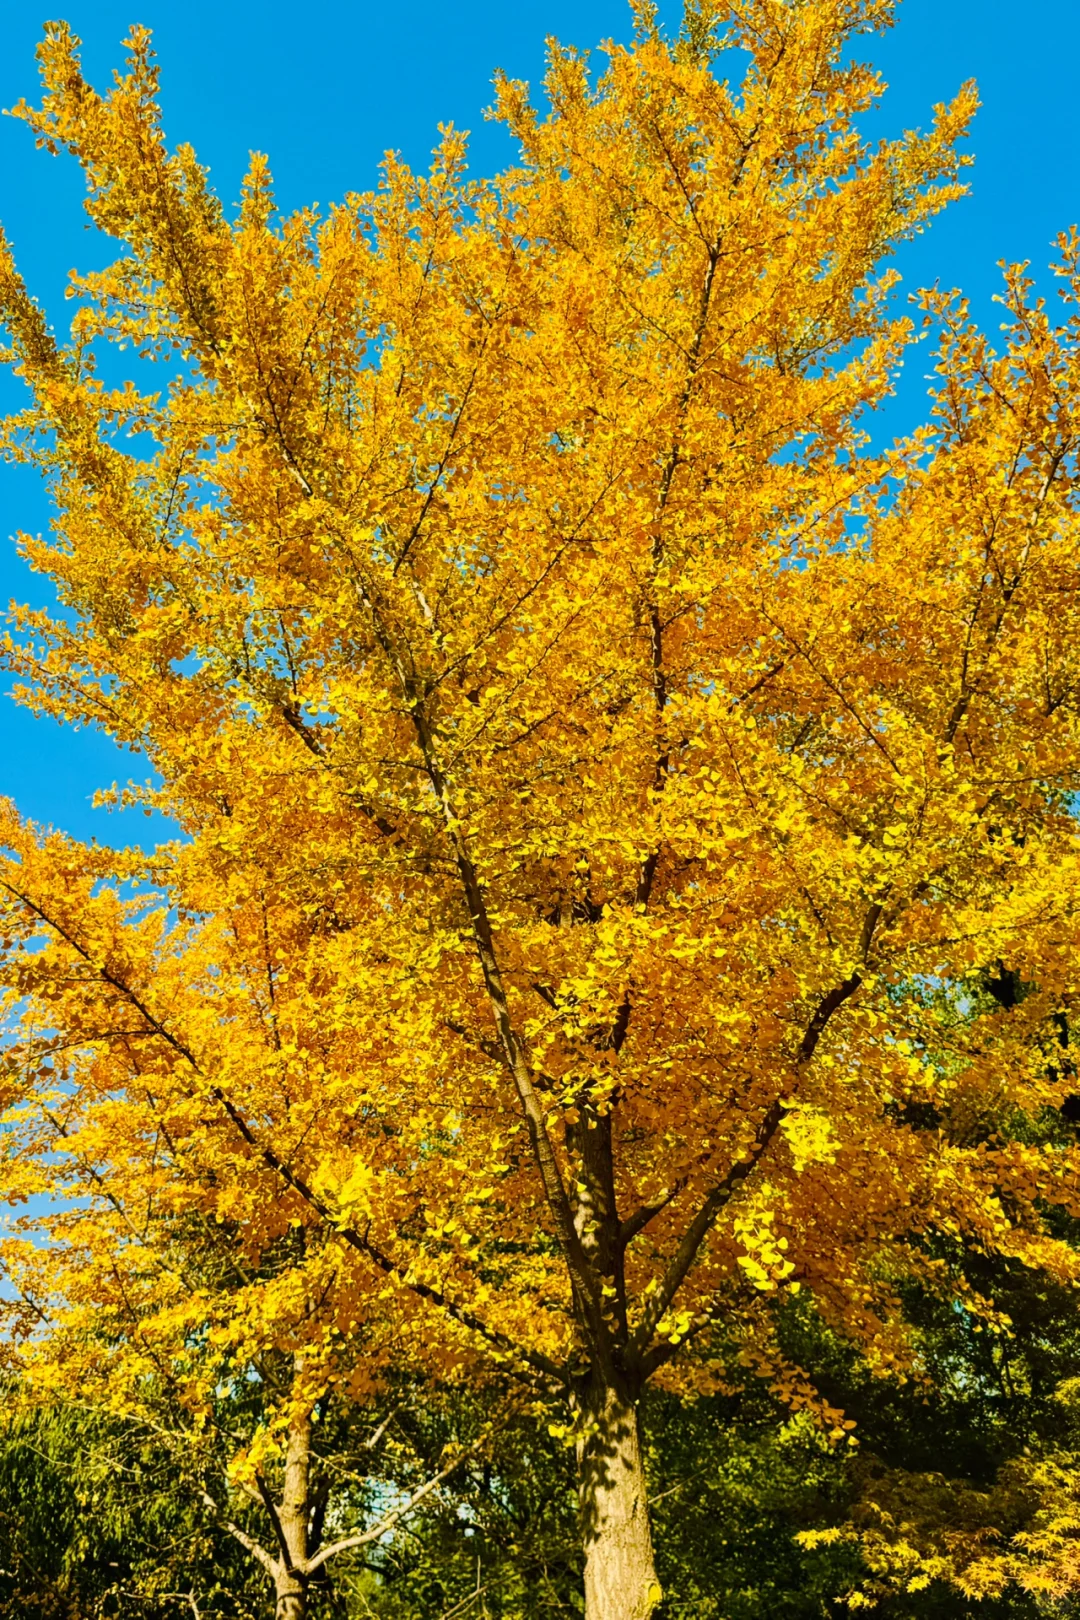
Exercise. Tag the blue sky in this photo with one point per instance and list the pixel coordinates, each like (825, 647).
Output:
(325, 88)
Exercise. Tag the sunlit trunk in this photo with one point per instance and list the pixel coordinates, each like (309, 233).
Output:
(620, 1574)
(294, 1515)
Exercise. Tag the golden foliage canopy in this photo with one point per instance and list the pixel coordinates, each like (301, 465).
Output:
(598, 772)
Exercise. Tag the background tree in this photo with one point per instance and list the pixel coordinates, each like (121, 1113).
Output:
(104, 1516)
(966, 1492)
(584, 747)
(94, 1522)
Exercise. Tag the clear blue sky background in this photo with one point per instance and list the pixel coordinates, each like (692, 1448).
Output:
(326, 87)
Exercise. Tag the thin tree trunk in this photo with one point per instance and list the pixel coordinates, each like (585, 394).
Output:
(294, 1517)
(620, 1574)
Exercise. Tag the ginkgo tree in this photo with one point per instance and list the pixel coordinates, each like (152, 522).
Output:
(586, 749)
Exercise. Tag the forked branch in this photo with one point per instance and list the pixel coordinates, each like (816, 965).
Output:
(720, 1195)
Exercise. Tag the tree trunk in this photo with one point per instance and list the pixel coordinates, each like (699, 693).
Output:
(620, 1575)
(294, 1514)
(291, 1597)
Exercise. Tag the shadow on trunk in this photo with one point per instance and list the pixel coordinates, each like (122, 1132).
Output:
(620, 1572)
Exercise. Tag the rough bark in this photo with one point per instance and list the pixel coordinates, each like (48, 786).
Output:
(294, 1518)
(291, 1596)
(620, 1573)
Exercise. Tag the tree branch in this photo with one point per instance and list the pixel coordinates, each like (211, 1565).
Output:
(722, 1193)
(363, 1538)
(361, 1242)
(639, 1220)
(255, 1548)
(695, 1234)
(271, 1509)
(582, 1276)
